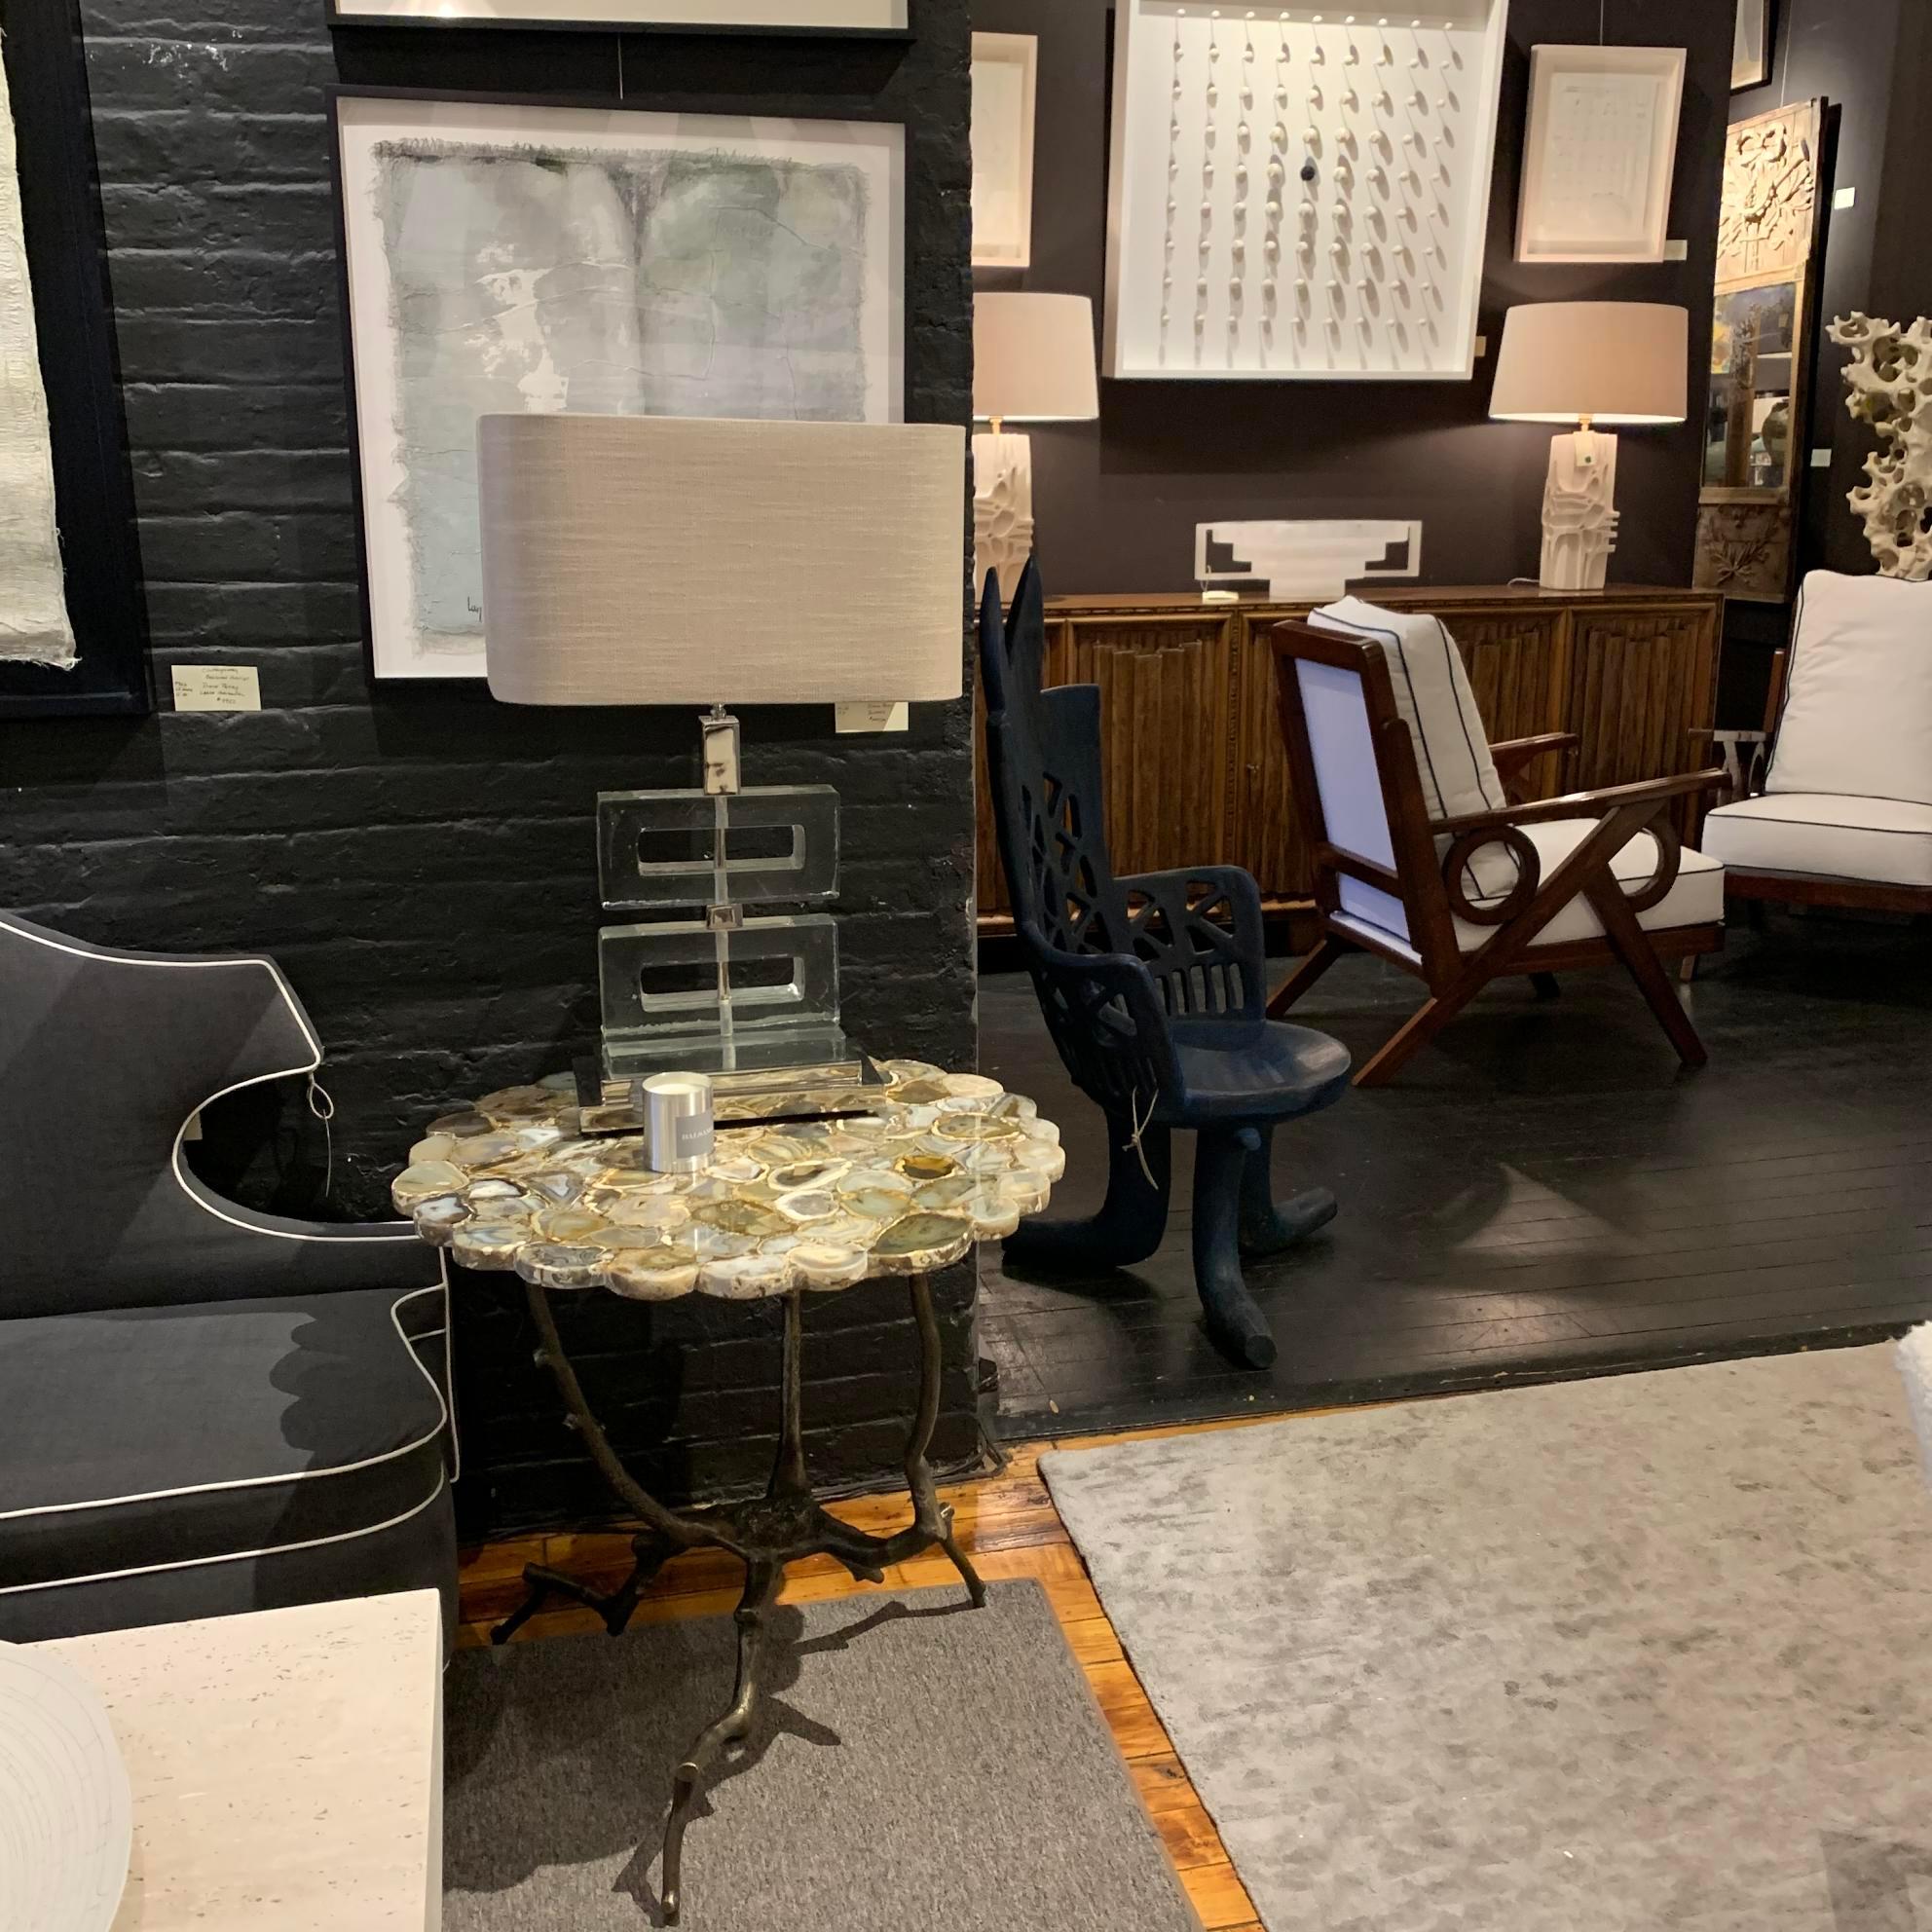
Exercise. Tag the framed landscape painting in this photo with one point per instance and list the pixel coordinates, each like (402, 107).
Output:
(517, 255)
(791, 17)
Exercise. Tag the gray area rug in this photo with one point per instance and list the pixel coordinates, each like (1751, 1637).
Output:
(1647, 1652)
(922, 1765)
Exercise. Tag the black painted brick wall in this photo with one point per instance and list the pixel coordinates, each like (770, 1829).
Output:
(421, 861)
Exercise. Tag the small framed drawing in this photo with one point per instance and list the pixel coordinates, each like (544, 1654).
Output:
(1005, 77)
(1601, 153)
(1751, 51)
(508, 254)
(786, 17)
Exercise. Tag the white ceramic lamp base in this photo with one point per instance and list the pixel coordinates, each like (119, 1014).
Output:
(1580, 511)
(1002, 508)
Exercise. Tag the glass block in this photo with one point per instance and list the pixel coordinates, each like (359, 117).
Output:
(661, 848)
(661, 990)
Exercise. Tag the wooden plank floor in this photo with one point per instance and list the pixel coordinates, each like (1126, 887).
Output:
(1008, 1526)
(1546, 1193)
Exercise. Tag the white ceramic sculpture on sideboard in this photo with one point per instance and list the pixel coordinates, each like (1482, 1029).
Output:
(1890, 380)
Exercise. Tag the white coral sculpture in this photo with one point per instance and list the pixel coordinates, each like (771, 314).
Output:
(1890, 380)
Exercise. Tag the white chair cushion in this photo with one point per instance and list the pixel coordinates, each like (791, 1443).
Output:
(1815, 834)
(1696, 900)
(1858, 711)
(1433, 696)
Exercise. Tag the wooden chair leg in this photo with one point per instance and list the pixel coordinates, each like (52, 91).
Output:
(1327, 951)
(1546, 986)
(1416, 1033)
(1687, 970)
(1131, 1219)
(1269, 1226)
(1628, 941)
(1235, 1324)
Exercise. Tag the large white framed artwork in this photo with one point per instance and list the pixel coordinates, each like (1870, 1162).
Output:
(722, 15)
(1005, 80)
(1300, 194)
(517, 255)
(1601, 153)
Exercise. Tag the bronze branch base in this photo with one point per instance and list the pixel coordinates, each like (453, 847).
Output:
(763, 1533)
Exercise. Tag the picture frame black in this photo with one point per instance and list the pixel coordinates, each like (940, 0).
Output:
(74, 326)
(350, 13)
(729, 106)
(1753, 57)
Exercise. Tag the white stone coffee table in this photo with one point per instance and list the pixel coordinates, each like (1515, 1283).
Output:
(286, 1767)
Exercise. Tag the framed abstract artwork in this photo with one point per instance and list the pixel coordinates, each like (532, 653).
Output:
(1601, 153)
(1298, 194)
(787, 17)
(73, 617)
(1752, 50)
(504, 255)
(1005, 79)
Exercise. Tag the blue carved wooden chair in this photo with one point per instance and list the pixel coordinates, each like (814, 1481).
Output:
(1153, 989)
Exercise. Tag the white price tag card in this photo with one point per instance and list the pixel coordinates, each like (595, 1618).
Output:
(873, 715)
(217, 688)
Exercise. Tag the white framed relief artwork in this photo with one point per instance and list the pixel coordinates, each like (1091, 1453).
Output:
(504, 256)
(1005, 81)
(728, 15)
(1299, 193)
(1601, 153)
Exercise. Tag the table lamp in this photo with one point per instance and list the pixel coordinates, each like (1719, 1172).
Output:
(1032, 362)
(633, 560)
(1626, 363)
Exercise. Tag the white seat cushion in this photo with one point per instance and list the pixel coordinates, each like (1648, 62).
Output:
(1696, 900)
(1816, 834)
(1432, 694)
(1857, 718)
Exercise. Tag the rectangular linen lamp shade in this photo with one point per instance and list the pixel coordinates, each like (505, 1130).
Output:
(1591, 363)
(659, 560)
(1032, 362)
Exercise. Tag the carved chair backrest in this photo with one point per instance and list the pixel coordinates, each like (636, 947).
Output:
(1357, 793)
(1043, 758)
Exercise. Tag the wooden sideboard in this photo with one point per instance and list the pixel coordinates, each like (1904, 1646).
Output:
(1195, 769)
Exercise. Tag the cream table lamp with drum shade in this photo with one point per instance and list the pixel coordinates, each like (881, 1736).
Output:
(1625, 364)
(1032, 362)
(637, 560)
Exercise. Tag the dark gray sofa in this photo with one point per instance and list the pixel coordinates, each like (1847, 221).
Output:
(203, 1409)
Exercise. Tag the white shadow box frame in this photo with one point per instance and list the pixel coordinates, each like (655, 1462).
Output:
(1601, 153)
(1004, 86)
(1299, 193)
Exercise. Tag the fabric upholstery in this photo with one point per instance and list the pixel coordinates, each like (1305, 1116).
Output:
(105, 1056)
(149, 1440)
(1434, 697)
(1857, 717)
(1877, 841)
(1696, 900)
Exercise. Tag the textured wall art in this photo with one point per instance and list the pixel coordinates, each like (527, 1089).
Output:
(1890, 382)
(516, 257)
(1005, 83)
(1298, 193)
(1764, 339)
(33, 604)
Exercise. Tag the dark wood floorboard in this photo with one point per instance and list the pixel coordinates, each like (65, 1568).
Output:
(1545, 1194)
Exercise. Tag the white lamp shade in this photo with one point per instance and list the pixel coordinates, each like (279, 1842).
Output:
(1615, 362)
(656, 560)
(1033, 358)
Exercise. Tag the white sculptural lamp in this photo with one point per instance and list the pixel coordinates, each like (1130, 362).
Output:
(637, 560)
(1032, 362)
(1591, 363)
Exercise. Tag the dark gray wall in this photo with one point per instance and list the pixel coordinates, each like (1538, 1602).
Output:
(422, 862)
(1117, 502)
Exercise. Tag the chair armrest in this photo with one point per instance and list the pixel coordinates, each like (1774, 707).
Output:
(1193, 940)
(1108, 1023)
(1513, 753)
(1586, 804)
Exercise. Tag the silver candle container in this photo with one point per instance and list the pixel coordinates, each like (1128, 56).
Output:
(676, 1111)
